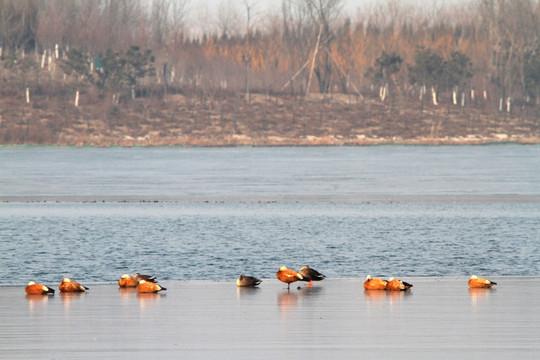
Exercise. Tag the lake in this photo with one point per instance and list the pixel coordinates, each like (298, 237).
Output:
(214, 213)
(197, 218)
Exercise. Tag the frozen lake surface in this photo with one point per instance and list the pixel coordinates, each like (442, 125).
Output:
(440, 318)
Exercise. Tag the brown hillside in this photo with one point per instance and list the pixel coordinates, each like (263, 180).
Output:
(261, 120)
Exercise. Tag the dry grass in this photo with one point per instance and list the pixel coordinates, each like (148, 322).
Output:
(261, 120)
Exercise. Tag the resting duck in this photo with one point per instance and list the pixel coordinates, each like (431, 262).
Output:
(375, 284)
(149, 287)
(247, 281)
(476, 282)
(38, 289)
(310, 275)
(71, 286)
(128, 281)
(397, 285)
(288, 276)
(147, 278)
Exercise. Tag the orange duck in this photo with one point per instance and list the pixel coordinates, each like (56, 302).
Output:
(149, 287)
(476, 282)
(397, 285)
(288, 276)
(127, 281)
(374, 284)
(71, 286)
(38, 289)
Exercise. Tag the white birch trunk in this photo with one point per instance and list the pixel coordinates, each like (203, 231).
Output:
(508, 104)
(434, 96)
(43, 57)
(50, 64)
(501, 104)
(27, 95)
(1, 51)
(462, 99)
(382, 92)
(472, 95)
(56, 51)
(485, 94)
(454, 96)
(77, 98)
(422, 92)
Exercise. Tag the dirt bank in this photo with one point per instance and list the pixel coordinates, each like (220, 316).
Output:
(261, 120)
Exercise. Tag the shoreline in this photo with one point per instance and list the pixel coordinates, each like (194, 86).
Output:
(350, 199)
(299, 143)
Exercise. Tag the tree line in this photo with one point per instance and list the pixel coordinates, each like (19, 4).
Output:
(478, 50)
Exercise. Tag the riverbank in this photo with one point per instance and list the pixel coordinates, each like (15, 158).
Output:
(260, 120)
(439, 318)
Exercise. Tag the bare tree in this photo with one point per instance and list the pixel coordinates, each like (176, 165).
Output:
(324, 12)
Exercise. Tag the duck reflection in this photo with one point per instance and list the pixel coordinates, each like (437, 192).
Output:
(287, 300)
(126, 292)
(246, 292)
(375, 295)
(397, 295)
(147, 299)
(68, 297)
(476, 294)
(35, 300)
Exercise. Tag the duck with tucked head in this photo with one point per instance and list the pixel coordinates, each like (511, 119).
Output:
(310, 275)
(476, 282)
(38, 289)
(247, 281)
(288, 276)
(375, 283)
(128, 281)
(71, 286)
(147, 278)
(149, 287)
(397, 285)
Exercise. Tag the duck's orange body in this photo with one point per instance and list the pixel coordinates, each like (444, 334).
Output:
(149, 287)
(38, 289)
(397, 285)
(71, 286)
(128, 281)
(375, 283)
(476, 282)
(288, 276)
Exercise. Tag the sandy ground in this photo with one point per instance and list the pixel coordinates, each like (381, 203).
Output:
(440, 318)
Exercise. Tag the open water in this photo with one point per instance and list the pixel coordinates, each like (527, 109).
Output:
(213, 213)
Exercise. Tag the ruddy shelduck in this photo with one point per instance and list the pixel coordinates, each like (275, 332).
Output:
(147, 278)
(38, 289)
(71, 286)
(476, 282)
(128, 281)
(375, 283)
(310, 275)
(247, 281)
(149, 287)
(397, 285)
(288, 276)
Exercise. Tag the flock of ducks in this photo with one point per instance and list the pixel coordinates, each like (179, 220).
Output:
(148, 284)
